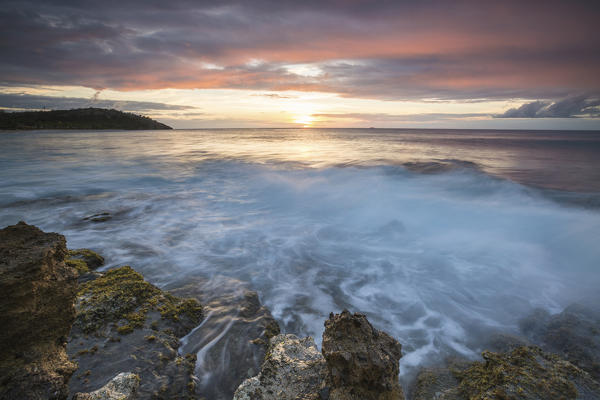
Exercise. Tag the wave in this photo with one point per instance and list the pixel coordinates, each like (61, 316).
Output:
(438, 258)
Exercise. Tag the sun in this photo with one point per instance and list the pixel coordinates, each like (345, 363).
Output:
(305, 120)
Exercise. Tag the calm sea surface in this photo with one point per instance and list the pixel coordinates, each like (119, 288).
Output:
(440, 237)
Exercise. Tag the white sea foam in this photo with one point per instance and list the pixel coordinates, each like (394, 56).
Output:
(438, 261)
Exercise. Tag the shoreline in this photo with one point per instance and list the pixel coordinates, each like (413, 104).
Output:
(102, 335)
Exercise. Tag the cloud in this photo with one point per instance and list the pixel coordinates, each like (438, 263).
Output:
(32, 102)
(383, 117)
(570, 107)
(384, 50)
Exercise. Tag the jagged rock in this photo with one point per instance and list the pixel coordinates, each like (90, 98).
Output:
(526, 373)
(37, 294)
(232, 341)
(91, 259)
(435, 384)
(293, 369)
(127, 324)
(574, 334)
(362, 361)
(122, 387)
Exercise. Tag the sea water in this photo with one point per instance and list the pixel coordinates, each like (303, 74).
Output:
(440, 237)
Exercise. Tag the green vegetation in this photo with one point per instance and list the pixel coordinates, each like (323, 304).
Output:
(80, 265)
(81, 118)
(526, 372)
(122, 296)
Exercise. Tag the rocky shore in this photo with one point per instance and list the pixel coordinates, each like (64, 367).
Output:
(71, 331)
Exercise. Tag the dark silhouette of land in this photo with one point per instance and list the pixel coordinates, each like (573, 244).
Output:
(81, 118)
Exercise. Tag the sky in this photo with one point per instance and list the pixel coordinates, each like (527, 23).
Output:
(227, 64)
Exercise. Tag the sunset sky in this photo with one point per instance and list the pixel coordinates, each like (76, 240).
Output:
(203, 64)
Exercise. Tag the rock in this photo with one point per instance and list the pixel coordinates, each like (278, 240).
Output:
(574, 334)
(362, 361)
(232, 341)
(526, 373)
(37, 294)
(435, 383)
(293, 369)
(91, 259)
(122, 387)
(127, 324)
(101, 217)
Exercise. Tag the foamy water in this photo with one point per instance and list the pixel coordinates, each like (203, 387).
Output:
(319, 221)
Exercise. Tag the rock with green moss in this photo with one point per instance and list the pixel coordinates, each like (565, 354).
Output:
(37, 292)
(117, 313)
(574, 334)
(525, 373)
(91, 259)
(121, 296)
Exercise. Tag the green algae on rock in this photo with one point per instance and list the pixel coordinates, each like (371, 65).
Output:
(525, 373)
(121, 295)
(91, 259)
(135, 327)
(574, 334)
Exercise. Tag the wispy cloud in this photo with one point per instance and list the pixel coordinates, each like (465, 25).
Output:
(582, 106)
(33, 102)
(383, 50)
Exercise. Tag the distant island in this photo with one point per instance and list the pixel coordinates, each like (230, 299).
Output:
(80, 118)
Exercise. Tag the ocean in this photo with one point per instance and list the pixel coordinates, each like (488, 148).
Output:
(441, 237)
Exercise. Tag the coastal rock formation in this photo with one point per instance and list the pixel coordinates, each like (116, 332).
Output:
(124, 323)
(362, 361)
(37, 295)
(357, 362)
(293, 369)
(122, 387)
(574, 334)
(525, 373)
(232, 341)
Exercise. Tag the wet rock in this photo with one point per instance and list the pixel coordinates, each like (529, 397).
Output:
(526, 373)
(435, 383)
(127, 324)
(362, 361)
(37, 293)
(574, 334)
(91, 259)
(293, 369)
(232, 341)
(100, 217)
(122, 387)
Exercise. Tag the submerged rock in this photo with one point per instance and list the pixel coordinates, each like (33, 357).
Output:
(293, 369)
(362, 361)
(574, 334)
(232, 341)
(525, 373)
(122, 387)
(91, 259)
(127, 324)
(37, 294)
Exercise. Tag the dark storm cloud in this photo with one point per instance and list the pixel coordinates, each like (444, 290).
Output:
(32, 102)
(571, 107)
(387, 50)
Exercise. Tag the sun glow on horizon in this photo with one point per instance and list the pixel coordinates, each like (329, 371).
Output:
(305, 120)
